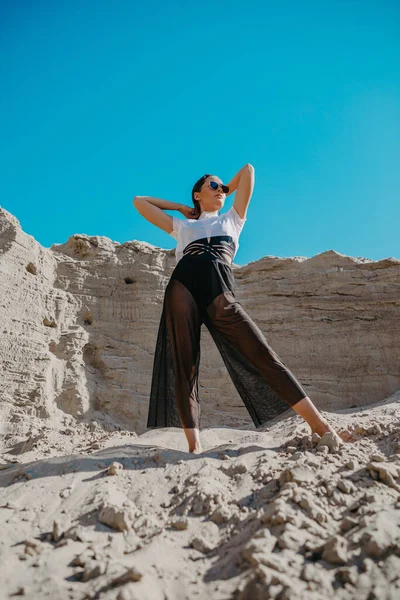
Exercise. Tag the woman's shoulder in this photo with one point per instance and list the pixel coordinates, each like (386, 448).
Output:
(178, 224)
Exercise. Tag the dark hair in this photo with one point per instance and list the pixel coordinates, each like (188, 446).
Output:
(196, 188)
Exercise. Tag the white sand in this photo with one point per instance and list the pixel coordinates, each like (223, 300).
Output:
(260, 514)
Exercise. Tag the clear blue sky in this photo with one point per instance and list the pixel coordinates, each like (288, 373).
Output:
(102, 101)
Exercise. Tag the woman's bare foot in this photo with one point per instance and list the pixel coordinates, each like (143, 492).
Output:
(193, 438)
(318, 424)
(346, 435)
(324, 427)
(321, 427)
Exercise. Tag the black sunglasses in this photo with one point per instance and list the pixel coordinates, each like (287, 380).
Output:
(215, 185)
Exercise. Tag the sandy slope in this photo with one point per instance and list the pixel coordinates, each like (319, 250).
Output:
(260, 514)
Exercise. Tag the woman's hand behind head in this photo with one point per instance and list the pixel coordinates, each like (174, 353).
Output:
(189, 212)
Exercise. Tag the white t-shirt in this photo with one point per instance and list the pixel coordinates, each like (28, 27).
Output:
(209, 224)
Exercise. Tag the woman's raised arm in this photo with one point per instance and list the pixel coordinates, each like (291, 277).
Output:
(243, 182)
(152, 209)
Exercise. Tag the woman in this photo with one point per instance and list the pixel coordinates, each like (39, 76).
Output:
(202, 290)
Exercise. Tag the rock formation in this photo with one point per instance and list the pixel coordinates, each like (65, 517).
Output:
(79, 323)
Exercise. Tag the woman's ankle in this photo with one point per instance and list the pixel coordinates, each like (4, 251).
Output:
(193, 438)
(320, 426)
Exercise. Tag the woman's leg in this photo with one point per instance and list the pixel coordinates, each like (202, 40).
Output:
(193, 438)
(306, 409)
(235, 332)
(183, 323)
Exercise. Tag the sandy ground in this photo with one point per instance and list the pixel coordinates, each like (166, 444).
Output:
(273, 513)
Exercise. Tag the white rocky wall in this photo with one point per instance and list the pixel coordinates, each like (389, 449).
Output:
(79, 323)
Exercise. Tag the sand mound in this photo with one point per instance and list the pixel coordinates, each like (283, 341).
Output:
(269, 514)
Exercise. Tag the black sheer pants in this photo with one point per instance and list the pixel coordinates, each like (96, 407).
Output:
(202, 291)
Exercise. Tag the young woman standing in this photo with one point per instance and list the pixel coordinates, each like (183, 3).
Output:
(201, 289)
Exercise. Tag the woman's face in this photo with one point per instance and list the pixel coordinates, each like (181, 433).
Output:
(210, 199)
